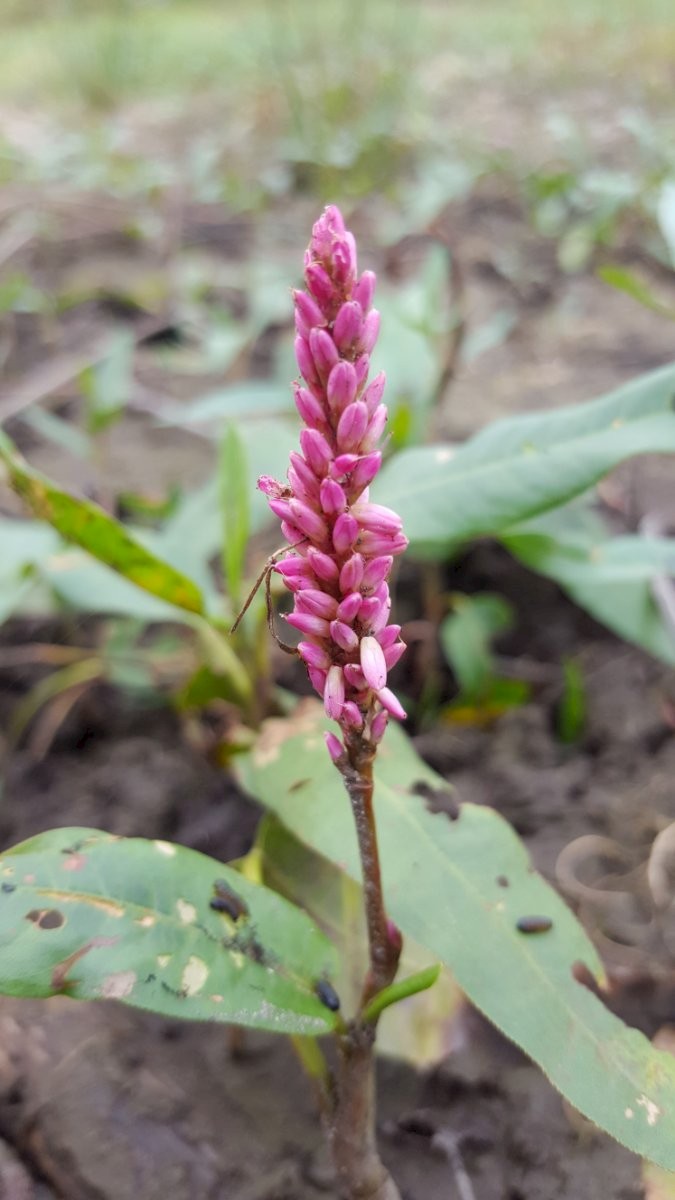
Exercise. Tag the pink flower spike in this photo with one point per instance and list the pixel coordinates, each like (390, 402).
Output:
(371, 328)
(376, 571)
(307, 520)
(334, 747)
(309, 408)
(316, 450)
(308, 623)
(345, 533)
(317, 678)
(352, 426)
(333, 499)
(389, 701)
(305, 362)
(393, 653)
(352, 715)
(365, 470)
(309, 310)
(349, 607)
(364, 289)
(341, 386)
(312, 600)
(319, 284)
(314, 656)
(351, 574)
(355, 677)
(334, 693)
(348, 327)
(375, 429)
(324, 352)
(372, 663)
(343, 636)
(323, 566)
(374, 392)
(378, 725)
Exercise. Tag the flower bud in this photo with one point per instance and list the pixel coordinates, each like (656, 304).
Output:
(371, 328)
(341, 386)
(324, 352)
(313, 600)
(344, 636)
(348, 327)
(309, 623)
(333, 499)
(348, 608)
(334, 747)
(316, 450)
(352, 426)
(324, 567)
(307, 520)
(309, 408)
(351, 574)
(364, 289)
(303, 356)
(314, 656)
(345, 532)
(373, 664)
(334, 693)
(389, 701)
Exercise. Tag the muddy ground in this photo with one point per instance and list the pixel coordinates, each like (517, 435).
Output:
(101, 1103)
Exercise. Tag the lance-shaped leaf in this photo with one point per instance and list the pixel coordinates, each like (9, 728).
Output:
(523, 465)
(86, 524)
(466, 890)
(92, 916)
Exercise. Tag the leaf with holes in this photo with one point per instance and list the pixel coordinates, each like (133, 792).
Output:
(101, 535)
(523, 465)
(92, 916)
(466, 890)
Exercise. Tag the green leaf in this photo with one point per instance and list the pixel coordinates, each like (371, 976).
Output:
(626, 281)
(459, 887)
(419, 1031)
(95, 531)
(234, 480)
(524, 465)
(466, 635)
(93, 916)
(614, 579)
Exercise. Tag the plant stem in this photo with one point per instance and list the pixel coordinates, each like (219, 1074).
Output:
(351, 1128)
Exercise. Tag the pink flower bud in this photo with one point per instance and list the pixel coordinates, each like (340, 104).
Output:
(320, 285)
(295, 580)
(393, 653)
(365, 470)
(371, 328)
(343, 636)
(316, 450)
(281, 509)
(317, 678)
(348, 327)
(372, 663)
(307, 520)
(334, 693)
(293, 535)
(376, 571)
(389, 701)
(380, 618)
(271, 487)
(370, 609)
(333, 499)
(352, 426)
(352, 715)
(304, 472)
(324, 352)
(303, 356)
(382, 543)
(314, 656)
(334, 747)
(362, 367)
(355, 677)
(310, 494)
(378, 726)
(364, 289)
(378, 518)
(343, 464)
(341, 386)
(374, 393)
(352, 574)
(375, 429)
(345, 533)
(309, 408)
(309, 310)
(323, 565)
(349, 607)
(308, 623)
(293, 566)
(344, 260)
(312, 600)
(387, 637)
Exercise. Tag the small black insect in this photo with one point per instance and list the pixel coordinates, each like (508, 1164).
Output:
(9, 887)
(227, 901)
(327, 994)
(534, 924)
